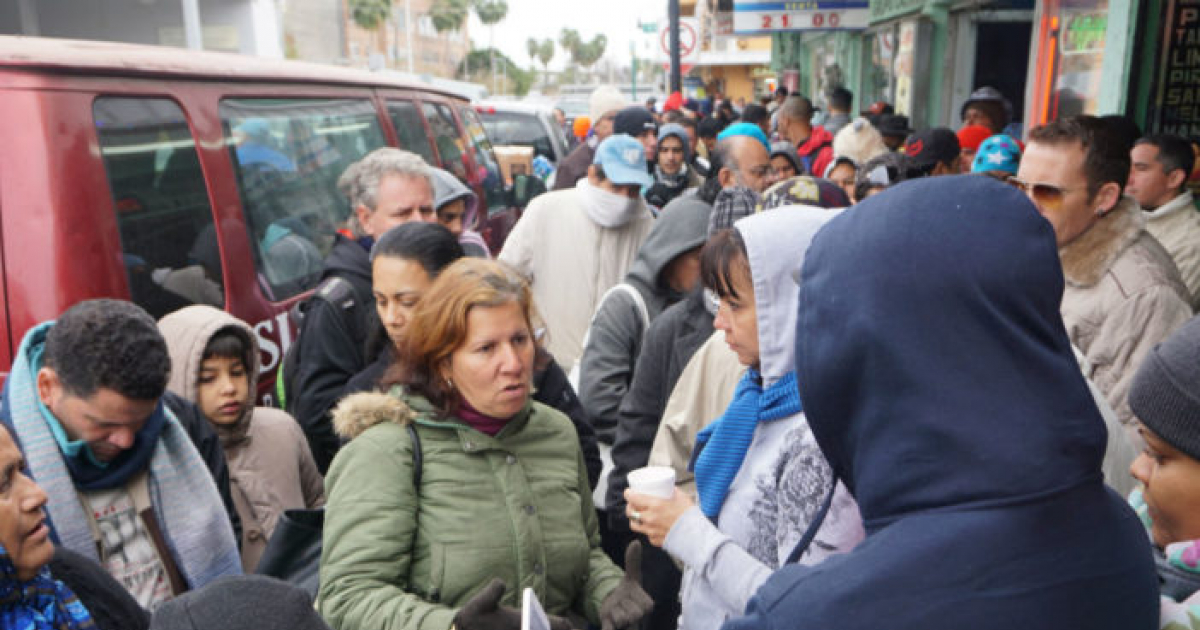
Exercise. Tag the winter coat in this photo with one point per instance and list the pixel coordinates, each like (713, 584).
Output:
(1176, 224)
(448, 188)
(1178, 568)
(783, 480)
(332, 342)
(670, 343)
(514, 506)
(270, 466)
(816, 152)
(703, 391)
(111, 606)
(575, 166)
(946, 396)
(571, 261)
(618, 327)
(550, 387)
(1123, 296)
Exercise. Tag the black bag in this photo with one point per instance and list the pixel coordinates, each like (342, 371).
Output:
(294, 552)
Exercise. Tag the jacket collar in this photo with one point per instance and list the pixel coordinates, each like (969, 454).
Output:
(1087, 258)
(1182, 203)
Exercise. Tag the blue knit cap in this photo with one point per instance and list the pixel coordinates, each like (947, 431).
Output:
(749, 130)
(997, 153)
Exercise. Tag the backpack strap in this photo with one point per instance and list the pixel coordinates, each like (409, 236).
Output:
(336, 291)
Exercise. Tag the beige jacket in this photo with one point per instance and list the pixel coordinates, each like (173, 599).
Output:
(271, 468)
(571, 262)
(1123, 295)
(703, 391)
(1176, 225)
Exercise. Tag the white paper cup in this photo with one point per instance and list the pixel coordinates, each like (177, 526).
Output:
(656, 481)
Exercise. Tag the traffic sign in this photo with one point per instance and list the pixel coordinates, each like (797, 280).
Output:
(689, 44)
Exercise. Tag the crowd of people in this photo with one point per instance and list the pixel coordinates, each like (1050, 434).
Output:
(914, 378)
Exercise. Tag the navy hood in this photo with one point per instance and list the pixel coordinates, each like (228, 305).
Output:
(934, 365)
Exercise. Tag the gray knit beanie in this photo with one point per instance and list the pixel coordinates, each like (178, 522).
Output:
(1165, 394)
(234, 603)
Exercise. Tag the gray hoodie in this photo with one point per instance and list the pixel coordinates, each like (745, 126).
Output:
(447, 188)
(615, 336)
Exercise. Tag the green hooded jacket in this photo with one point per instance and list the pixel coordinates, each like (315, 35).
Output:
(515, 506)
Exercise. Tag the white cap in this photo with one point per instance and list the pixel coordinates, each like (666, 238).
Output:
(603, 100)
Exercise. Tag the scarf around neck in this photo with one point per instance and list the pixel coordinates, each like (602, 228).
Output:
(721, 446)
(41, 603)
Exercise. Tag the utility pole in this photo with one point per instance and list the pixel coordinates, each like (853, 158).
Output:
(673, 18)
(633, 69)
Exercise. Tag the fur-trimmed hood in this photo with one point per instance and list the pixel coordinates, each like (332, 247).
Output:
(1087, 258)
(358, 412)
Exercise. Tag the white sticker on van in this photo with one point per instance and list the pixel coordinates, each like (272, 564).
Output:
(272, 350)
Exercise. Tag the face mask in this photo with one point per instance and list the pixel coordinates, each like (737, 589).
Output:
(606, 208)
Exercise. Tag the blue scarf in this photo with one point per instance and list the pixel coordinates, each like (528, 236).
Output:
(41, 603)
(721, 446)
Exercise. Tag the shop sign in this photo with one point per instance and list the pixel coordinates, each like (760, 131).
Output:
(887, 9)
(1084, 33)
(1177, 102)
(752, 17)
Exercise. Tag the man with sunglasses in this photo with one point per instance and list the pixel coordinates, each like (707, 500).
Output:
(1123, 293)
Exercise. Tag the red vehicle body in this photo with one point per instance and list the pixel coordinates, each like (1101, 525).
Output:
(121, 161)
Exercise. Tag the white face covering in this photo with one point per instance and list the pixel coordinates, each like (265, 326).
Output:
(606, 208)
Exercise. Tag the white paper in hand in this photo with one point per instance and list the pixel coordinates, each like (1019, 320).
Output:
(532, 615)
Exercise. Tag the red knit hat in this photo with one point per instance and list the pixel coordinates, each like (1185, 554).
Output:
(674, 101)
(971, 136)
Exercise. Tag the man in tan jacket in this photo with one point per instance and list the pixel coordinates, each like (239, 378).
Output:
(1158, 181)
(1123, 293)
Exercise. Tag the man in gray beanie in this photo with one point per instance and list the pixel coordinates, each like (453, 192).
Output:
(252, 602)
(1165, 398)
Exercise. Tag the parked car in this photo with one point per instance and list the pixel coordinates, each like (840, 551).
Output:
(526, 125)
(171, 177)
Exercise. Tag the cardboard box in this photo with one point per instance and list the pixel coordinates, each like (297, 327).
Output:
(514, 160)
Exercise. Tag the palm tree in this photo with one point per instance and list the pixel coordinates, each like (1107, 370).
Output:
(545, 54)
(448, 16)
(531, 47)
(370, 14)
(491, 12)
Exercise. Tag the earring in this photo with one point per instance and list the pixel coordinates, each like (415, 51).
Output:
(449, 383)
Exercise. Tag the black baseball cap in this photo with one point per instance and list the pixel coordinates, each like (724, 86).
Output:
(634, 121)
(928, 147)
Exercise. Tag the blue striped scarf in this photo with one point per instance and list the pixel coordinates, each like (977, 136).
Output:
(721, 446)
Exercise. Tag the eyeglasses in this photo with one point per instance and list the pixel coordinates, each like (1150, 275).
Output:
(1044, 195)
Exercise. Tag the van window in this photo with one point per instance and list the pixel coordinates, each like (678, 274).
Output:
(449, 143)
(288, 155)
(481, 148)
(159, 195)
(410, 130)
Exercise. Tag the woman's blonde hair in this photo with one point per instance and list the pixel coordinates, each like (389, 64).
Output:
(439, 324)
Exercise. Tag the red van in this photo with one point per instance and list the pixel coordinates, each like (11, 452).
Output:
(170, 177)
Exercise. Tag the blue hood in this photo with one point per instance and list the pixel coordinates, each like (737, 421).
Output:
(933, 362)
(938, 379)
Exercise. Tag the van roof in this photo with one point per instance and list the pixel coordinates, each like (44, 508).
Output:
(94, 57)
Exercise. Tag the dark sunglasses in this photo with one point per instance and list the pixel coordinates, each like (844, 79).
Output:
(1044, 195)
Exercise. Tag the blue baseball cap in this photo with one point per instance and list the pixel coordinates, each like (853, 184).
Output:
(997, 153)
(624, 160)
(749, 130)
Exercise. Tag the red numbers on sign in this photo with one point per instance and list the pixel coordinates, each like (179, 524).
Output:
(766, 21)
(834, 19)
(785, 19)
(818, 19)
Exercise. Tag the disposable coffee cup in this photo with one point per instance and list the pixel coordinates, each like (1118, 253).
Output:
(656, 481)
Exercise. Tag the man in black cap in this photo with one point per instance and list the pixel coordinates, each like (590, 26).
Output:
(894, 129)
(934, 151)
(636, 121)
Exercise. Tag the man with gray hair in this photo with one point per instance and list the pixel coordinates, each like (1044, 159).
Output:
(386, 188)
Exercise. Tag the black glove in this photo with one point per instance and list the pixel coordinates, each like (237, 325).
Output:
(484, 612)
(628, 603)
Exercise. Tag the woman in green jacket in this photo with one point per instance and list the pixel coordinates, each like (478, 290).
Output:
(494, 498)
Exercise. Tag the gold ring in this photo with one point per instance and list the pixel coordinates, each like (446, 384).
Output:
(635, 516)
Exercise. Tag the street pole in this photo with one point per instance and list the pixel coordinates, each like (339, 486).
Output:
(633, 69)
(673, 18)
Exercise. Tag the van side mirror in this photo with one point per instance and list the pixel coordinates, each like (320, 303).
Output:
(525, 188)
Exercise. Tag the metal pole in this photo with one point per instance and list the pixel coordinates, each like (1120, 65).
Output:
(673, 18)
(633, 69)
(193, 34)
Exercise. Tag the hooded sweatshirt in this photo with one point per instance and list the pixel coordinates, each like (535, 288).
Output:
(940, 383)
(783, 480)
(614, 339)
(270, 466)
(447, 188)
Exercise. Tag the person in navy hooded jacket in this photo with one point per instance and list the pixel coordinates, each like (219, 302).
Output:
(938, 379)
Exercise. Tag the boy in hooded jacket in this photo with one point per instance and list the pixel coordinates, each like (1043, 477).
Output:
(214, 358)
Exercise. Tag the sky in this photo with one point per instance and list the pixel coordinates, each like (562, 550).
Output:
(617, 19)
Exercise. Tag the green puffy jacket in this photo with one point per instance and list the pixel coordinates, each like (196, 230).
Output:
(514, 506)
